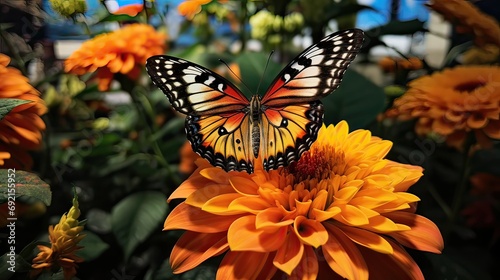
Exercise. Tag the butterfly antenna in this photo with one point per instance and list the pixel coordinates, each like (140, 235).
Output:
(265, 68)
(234, 74)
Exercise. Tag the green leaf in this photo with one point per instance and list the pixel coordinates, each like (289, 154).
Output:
(26, 184)
(397, 27)
(118, 18)
(357, 100)
(7, 104)
(252, 67)
(135, 217)
(93, 246)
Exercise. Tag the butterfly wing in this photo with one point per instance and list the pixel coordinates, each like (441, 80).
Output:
(217, 122)
(224, 139)
(288, 132)
(193, 89)
(317, 71)
(292, 113)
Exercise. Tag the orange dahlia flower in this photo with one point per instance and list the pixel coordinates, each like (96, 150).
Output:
(64, 238)
(190, 8)
(469, 19)
(21, 128)
(123, 51)
(342, 209)
(453, 103)
(130, 10)
(393, 64)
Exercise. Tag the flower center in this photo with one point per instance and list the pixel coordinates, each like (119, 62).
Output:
(469, 86)
(310, 167)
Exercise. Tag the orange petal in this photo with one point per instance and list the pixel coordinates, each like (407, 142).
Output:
(243, 236)
(398, 265)
(290, 254)
(246, 265)
(343, 255)
(251, 205)
(424, 234)
(191, 218)
(215, 174)
(308, 266)
(199, 197)
(220, 204)
(271, 218)
(352, 215)
(244, 186)
(194, 182)
(193, 248)
(131, 10)
(367, 239)
(310, 232)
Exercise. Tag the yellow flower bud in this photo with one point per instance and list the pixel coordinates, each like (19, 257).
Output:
(68, 8)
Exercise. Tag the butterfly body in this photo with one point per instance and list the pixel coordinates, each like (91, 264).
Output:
(231, 131)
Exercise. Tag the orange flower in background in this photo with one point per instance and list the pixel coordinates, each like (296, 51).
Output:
(341, 209)
(64, 238)
(392, 64)
(188, 158)
(123, 51)
(469, 19)
(453, 103)
(191, 8)
(21, 128)
(131, 10)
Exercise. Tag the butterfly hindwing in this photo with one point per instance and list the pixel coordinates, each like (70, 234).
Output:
(193, 89)
(290, 131)
(224, 139)
(317, 71)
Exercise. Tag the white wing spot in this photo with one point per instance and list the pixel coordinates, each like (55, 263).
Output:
(286, 77)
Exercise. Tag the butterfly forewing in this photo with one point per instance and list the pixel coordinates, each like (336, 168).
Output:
(317, 71)
(193, 89)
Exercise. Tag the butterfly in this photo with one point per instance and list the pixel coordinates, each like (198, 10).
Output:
(231, 131)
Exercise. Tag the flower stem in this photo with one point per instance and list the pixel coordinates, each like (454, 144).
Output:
(462, 187)
(128, 86)
(14, 51)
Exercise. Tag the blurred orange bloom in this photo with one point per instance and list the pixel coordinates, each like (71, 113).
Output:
(480, 213)
(123, 51)
(190, 8)
(21, 128)
(393, 64)
(342, 210)
(64, 238)
(453, 103)
(188, 158)
(467, 18)
(131, 10)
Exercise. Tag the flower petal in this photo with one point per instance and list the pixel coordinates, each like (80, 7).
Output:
(308, 266)
(246, 265)
(192, 218)
(310, 232)
(343, 255)
(289, 254)
(243, 236)
(424, 234)
(398, 265)
(193, 248)
(367, 239)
